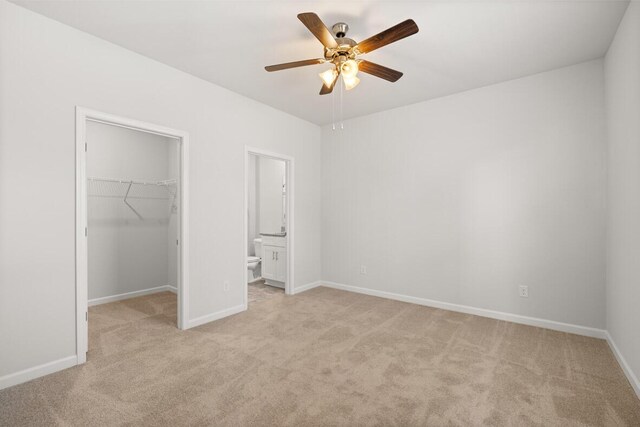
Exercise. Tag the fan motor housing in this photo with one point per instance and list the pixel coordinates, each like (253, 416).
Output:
(345, 44)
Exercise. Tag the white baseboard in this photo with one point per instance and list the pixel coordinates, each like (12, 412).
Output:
(37, 371)
(633, 380)
(302, 288)
(509, 317)
(215, 316)
(255, 280)
(134, 294)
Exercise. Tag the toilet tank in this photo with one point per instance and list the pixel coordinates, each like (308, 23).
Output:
(257, 247)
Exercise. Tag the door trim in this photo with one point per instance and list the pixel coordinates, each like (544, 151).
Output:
(82, 280)
(290, 224)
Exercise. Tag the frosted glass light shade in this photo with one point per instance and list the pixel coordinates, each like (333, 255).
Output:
(328, 76)
(350, 82)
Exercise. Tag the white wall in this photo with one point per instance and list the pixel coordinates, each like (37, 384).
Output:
(128, 253)
(464, 198)
(271, 174)
(46, 69)
(622, 84)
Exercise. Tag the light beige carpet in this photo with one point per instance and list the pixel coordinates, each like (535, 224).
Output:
(326, 357)
(260, 291)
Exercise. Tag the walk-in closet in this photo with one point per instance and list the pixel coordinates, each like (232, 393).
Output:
(133, 224)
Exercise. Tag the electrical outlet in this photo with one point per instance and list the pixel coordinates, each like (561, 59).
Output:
(363, 269)
(524, 291)
(226, 285)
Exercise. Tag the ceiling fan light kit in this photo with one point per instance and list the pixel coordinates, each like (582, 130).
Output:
(342, 52)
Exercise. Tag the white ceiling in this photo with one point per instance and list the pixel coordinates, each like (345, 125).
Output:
(460, 46)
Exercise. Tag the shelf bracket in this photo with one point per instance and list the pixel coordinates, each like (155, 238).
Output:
(127, 203)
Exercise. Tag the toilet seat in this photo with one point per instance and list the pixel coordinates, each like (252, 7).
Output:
(253, 259)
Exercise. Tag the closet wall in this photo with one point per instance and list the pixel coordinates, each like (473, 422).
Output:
(133, 248)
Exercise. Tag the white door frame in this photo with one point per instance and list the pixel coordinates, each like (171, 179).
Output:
(82, 279)
(289, 162)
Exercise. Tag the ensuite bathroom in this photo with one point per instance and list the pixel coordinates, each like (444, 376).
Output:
(266, 227)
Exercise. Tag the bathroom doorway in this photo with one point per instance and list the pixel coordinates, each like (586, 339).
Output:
(268, 236)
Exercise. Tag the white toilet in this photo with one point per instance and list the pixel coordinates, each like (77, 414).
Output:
(253, 262)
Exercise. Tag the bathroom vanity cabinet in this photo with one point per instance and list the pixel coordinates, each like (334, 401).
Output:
(274, 260)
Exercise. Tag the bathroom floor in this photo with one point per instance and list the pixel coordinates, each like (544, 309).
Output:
(259, 291)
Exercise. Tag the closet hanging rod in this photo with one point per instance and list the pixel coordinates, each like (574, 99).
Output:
(165, 182)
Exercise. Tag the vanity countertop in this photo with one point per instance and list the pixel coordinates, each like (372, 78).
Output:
(274, 234)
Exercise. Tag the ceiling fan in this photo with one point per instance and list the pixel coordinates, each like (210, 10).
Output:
(343, 52)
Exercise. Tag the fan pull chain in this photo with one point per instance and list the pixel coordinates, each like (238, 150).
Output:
(340, 121)
(333, 110)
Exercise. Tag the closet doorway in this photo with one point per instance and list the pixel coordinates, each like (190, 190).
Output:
(131, 210)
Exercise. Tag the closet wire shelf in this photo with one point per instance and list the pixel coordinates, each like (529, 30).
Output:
(133, 189)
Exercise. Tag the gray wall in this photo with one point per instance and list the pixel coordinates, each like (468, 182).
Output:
(462, 199)
(126, 253)
(46, 69)
(622, 77)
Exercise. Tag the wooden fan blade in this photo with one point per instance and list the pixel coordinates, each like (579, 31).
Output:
(379, 71)
(295, 64)
(318, 29)
(326, 90)
(393, 34)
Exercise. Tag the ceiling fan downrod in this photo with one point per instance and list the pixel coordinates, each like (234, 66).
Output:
(340, 29)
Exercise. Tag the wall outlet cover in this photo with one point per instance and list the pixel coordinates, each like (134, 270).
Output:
(524, 291)
(226, 285)
(363, 269)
